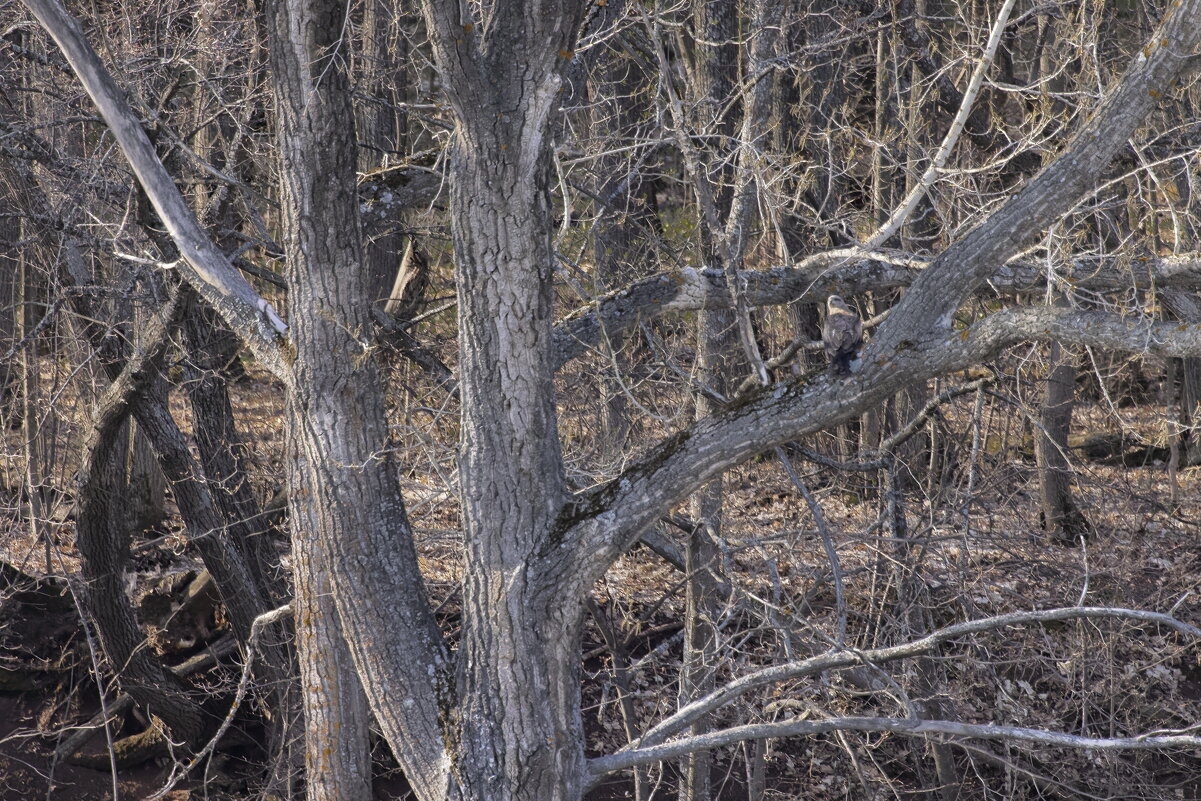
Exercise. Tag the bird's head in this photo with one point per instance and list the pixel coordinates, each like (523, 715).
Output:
(836, 303)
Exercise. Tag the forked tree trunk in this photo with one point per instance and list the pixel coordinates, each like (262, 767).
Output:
(519, 725)
(351, 541)
(519, 712)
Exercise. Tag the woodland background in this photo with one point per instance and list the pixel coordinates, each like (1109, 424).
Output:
(703, 175)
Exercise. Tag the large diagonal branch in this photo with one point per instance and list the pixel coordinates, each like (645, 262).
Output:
(926, 310)
(203, 264)
(601, 523)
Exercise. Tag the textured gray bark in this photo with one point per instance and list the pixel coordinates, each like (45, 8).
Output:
(510, 727)
(103, 541)
(350, 533)
(520, 730)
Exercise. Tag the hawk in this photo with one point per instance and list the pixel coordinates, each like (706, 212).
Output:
(842, 335)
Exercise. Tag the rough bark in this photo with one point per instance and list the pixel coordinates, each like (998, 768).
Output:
(350, 532)
(519, 723)
(103, 542)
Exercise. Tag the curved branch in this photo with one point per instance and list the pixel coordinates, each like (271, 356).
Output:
(878, 656)
(204, 266)
(104, 548)
(909, 726)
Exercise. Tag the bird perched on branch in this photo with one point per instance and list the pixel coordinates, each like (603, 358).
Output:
(842, 335)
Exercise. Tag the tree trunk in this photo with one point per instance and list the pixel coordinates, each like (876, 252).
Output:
(350, 531)
(144, 487)
(1060, 517)
(718, 349)
(220, 447)
(715, 74)
(103, 541)
(519, 721)
(519, 715)
(384, 56)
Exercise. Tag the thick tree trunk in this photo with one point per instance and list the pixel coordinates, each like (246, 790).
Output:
(352, 544)
(519, 722)
(519, 718)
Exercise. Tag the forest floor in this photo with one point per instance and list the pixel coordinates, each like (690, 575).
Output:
(969, 556)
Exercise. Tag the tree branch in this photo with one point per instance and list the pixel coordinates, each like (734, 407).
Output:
(903, 210)
(204, 266)
(908, 726)
(878, 656)
(954, 275)
(771, 416)
(844, 272)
